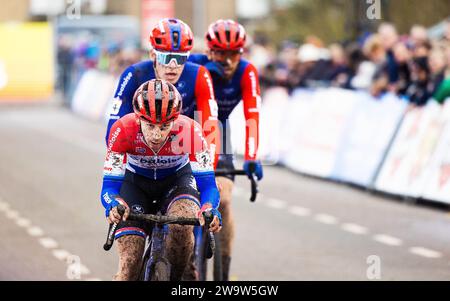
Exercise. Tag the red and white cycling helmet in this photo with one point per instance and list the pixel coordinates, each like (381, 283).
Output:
(157, 101)
(172, 35)
(225, 35)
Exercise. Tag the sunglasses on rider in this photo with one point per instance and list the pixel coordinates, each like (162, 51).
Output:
(165, 58)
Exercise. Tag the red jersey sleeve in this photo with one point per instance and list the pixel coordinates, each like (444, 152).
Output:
(208, 110)
(200, 154)
(117, 150)
(252, 102)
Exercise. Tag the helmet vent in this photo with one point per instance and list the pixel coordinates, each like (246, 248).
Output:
(175, 37)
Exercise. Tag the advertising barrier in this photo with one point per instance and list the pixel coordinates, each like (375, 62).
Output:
(342, 135)
(93, 94)
(315, 140)
(406, 168)
(366, 137)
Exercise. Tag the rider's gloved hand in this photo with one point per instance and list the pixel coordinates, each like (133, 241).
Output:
(112, 214)
(216, 224)
(253, 166)
(215, 69)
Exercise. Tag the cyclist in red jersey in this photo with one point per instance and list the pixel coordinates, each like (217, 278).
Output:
(157, 160)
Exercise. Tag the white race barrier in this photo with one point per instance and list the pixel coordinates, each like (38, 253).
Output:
(316, 138)
(366, 138)
(272, 115)
(406, 168)
(93, 94)
(437, 185)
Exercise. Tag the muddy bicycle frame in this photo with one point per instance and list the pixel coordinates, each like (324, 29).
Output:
(154, 253)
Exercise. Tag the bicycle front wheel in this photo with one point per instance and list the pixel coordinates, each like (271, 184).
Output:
(161, 271)
(217, 275)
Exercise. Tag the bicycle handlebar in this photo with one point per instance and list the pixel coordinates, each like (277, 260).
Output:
(253, 179)
(159, 219)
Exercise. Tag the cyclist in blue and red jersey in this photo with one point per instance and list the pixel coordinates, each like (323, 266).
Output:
(235, 80)
(157, 161)
(172, 41)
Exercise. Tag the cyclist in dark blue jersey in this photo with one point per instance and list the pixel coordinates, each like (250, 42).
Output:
(172, 40)
(235, 80)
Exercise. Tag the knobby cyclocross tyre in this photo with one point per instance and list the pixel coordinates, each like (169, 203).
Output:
(161, 271)
(217, 275)
(201, 261)
(145, 261)
(142, 272)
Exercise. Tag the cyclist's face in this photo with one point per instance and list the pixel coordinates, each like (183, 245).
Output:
(155, 134)
(170, 72)
(229, 59)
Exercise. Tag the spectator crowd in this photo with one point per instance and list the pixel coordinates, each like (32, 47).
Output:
(411, 65)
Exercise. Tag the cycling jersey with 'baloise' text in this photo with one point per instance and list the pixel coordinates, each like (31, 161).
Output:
(185, 145)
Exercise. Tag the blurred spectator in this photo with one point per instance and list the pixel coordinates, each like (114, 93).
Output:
(278, 70)
(65, 61)
(308, 56)
(417, 35)
(339, 73)
(418, 92)
(372, 74)
(389, 37)
(438, 84)
(402, 56)
(422, 49)
(79, 53)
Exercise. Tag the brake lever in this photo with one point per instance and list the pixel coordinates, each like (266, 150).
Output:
(208, 216)
(254, 183)
(112, 230)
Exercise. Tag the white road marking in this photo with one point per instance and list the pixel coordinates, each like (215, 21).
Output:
(388, 240)
(61, 254)
(299, 211)
(424, 252)
(4, 206)
(48, 243)
(77, 141)
(93, 279)
(12, 214)
(276, 203)
(35, 231)
(326, 219)
(354, 228)
(84, 270)
(23, 222)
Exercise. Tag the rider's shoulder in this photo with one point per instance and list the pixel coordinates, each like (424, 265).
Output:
(191, 67)
(128, 122)
(198, 58)
(142, 66)
(245, 64)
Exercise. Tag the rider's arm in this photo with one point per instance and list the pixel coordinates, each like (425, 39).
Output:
(123, 98)
(114, 167)
(207, 107)
(252, 101)
(202, 169)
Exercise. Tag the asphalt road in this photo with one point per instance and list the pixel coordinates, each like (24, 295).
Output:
(53, 228)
